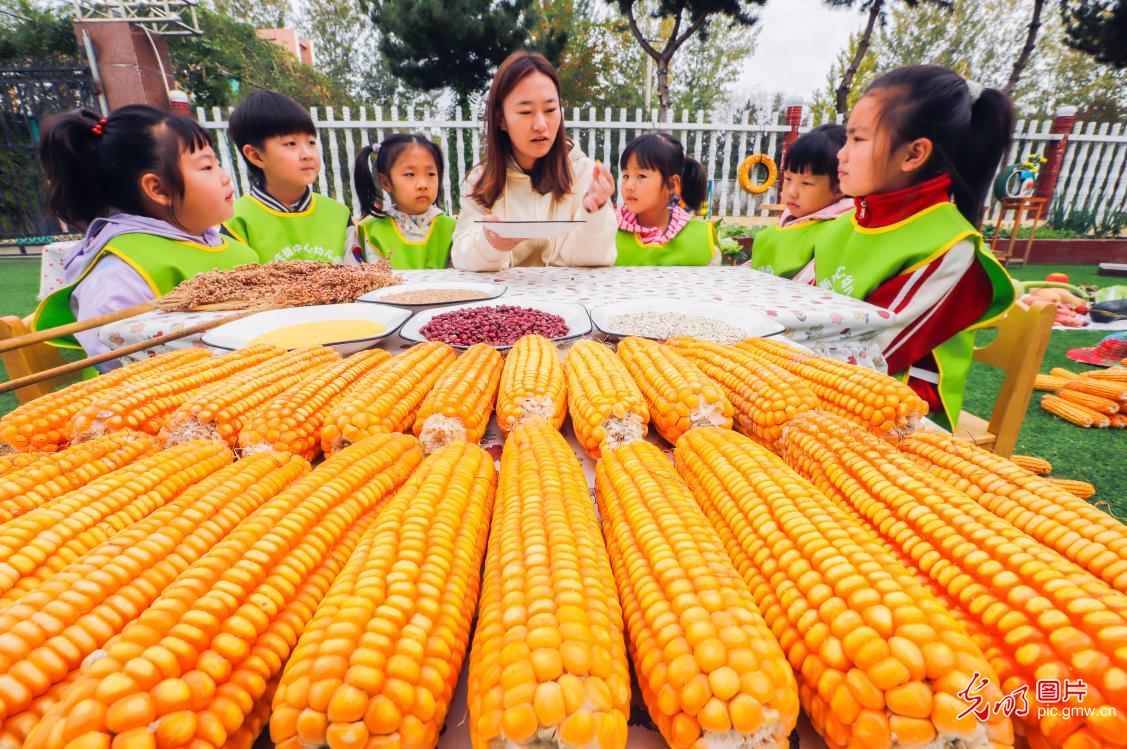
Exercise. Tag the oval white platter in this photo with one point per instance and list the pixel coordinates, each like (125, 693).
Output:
(530, 229)
(755, 323)
(379, 296)
(239, 333)
(574, 315)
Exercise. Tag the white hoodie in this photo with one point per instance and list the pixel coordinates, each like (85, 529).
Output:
(589, 244)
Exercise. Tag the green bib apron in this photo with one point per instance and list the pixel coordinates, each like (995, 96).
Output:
(785, 250)
(695, 244)
(855, 261)
(317, 233)
(382, 235)
(162, 262)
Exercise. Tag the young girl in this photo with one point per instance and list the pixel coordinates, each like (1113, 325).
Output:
(812, 196)
(532, 172)
(149, 190)
(412, 233)
(923, 145)
(653, 227)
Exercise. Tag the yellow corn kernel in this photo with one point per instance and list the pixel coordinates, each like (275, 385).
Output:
(458, 408)
(532, 384)
(606, 407)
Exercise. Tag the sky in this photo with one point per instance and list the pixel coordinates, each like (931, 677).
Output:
(798, 41)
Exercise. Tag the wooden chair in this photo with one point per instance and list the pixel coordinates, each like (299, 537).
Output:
(31, 359)
(1018, 349)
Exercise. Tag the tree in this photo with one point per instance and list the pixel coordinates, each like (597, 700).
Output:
(31, 34)
(432, 44)
(877, 10)
(1027, 50)
(261, 14)
(824, 106)
(1099, 28)
(681, 20)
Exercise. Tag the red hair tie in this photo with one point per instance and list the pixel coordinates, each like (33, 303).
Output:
(99, 129)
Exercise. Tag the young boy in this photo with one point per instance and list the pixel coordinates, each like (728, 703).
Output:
(812, 196)
(282, 218)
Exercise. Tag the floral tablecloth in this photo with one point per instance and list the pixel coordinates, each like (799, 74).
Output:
(826, 322)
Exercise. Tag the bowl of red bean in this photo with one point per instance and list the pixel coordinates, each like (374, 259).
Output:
(499, 325)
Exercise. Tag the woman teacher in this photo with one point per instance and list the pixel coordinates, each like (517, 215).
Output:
(532, 172)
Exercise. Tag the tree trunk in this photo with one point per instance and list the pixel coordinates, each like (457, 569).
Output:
(846, 85)
(664, 99)
(1026, 51)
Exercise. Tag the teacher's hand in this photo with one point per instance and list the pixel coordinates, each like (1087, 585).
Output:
(602, 187)
(499, 243)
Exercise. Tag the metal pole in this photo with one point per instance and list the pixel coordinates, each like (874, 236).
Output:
(92, 57)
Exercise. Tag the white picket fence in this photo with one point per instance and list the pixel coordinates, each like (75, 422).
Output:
(1093, 173)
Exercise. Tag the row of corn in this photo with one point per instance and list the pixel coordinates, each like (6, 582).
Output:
(181, 599)
(1091, 399)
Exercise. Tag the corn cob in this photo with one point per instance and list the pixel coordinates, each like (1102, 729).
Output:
(1118, 421)
(763, 395)
(191, 667)
(1038, 506)
(1073, 412)
(119, 578)
(532, 384)
(710, 673)
(548, 664)
(678, 394)
(256, 722)
(1096, 403)
(143, 406)
(881, 404)
(1049, 383)
(387, 398)
(458, 408)
(1063, 373)
(1055, 619)
(838, 603)
(380, 658)
(291, 422)
(1033, 464)
(1114, 374)
(40, 543)
(43, 424)
(19, 461)
(58, 473)
(1116, 391)
(16, 729)
(607, 408)
(217, 412)
(1081, 489)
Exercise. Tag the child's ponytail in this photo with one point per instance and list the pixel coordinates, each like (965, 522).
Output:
(694, 185)
(67, 151)
(969, 127)
(368, 193)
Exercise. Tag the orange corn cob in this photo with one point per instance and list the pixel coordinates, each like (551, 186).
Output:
(532, 384)
(607, 408)
(868, 644)
(387, 398)
(1038, 506)
(1074, 412)
(57, 473)
(291, 421)
(1097, 403)
(15, 730)
(882, 404)
(43, 424)
(1114, 374)
(120, 578)
(1033, 464)
(1049, 383)
(191, 667)
(256, 723)
(1063, 373)
(1111, 389)
(458, 408)
(548, 663)
(43, 541)
(1118, 421)
(143, 406)
(1056, 620)
(1081, 489)
(217, 412)
(764, 396)
(708, 668)
(380, 658)
(19, 461)
(680, 396)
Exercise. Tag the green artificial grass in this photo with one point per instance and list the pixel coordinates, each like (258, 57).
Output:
(1095, 455)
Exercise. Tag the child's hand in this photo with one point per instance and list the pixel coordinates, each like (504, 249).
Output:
(602, 187)
(502, 244)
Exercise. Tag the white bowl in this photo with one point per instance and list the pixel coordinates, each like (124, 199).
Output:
(574, 315)
(239, 334)
(378, 296)
(754, 323)
(530, 229)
